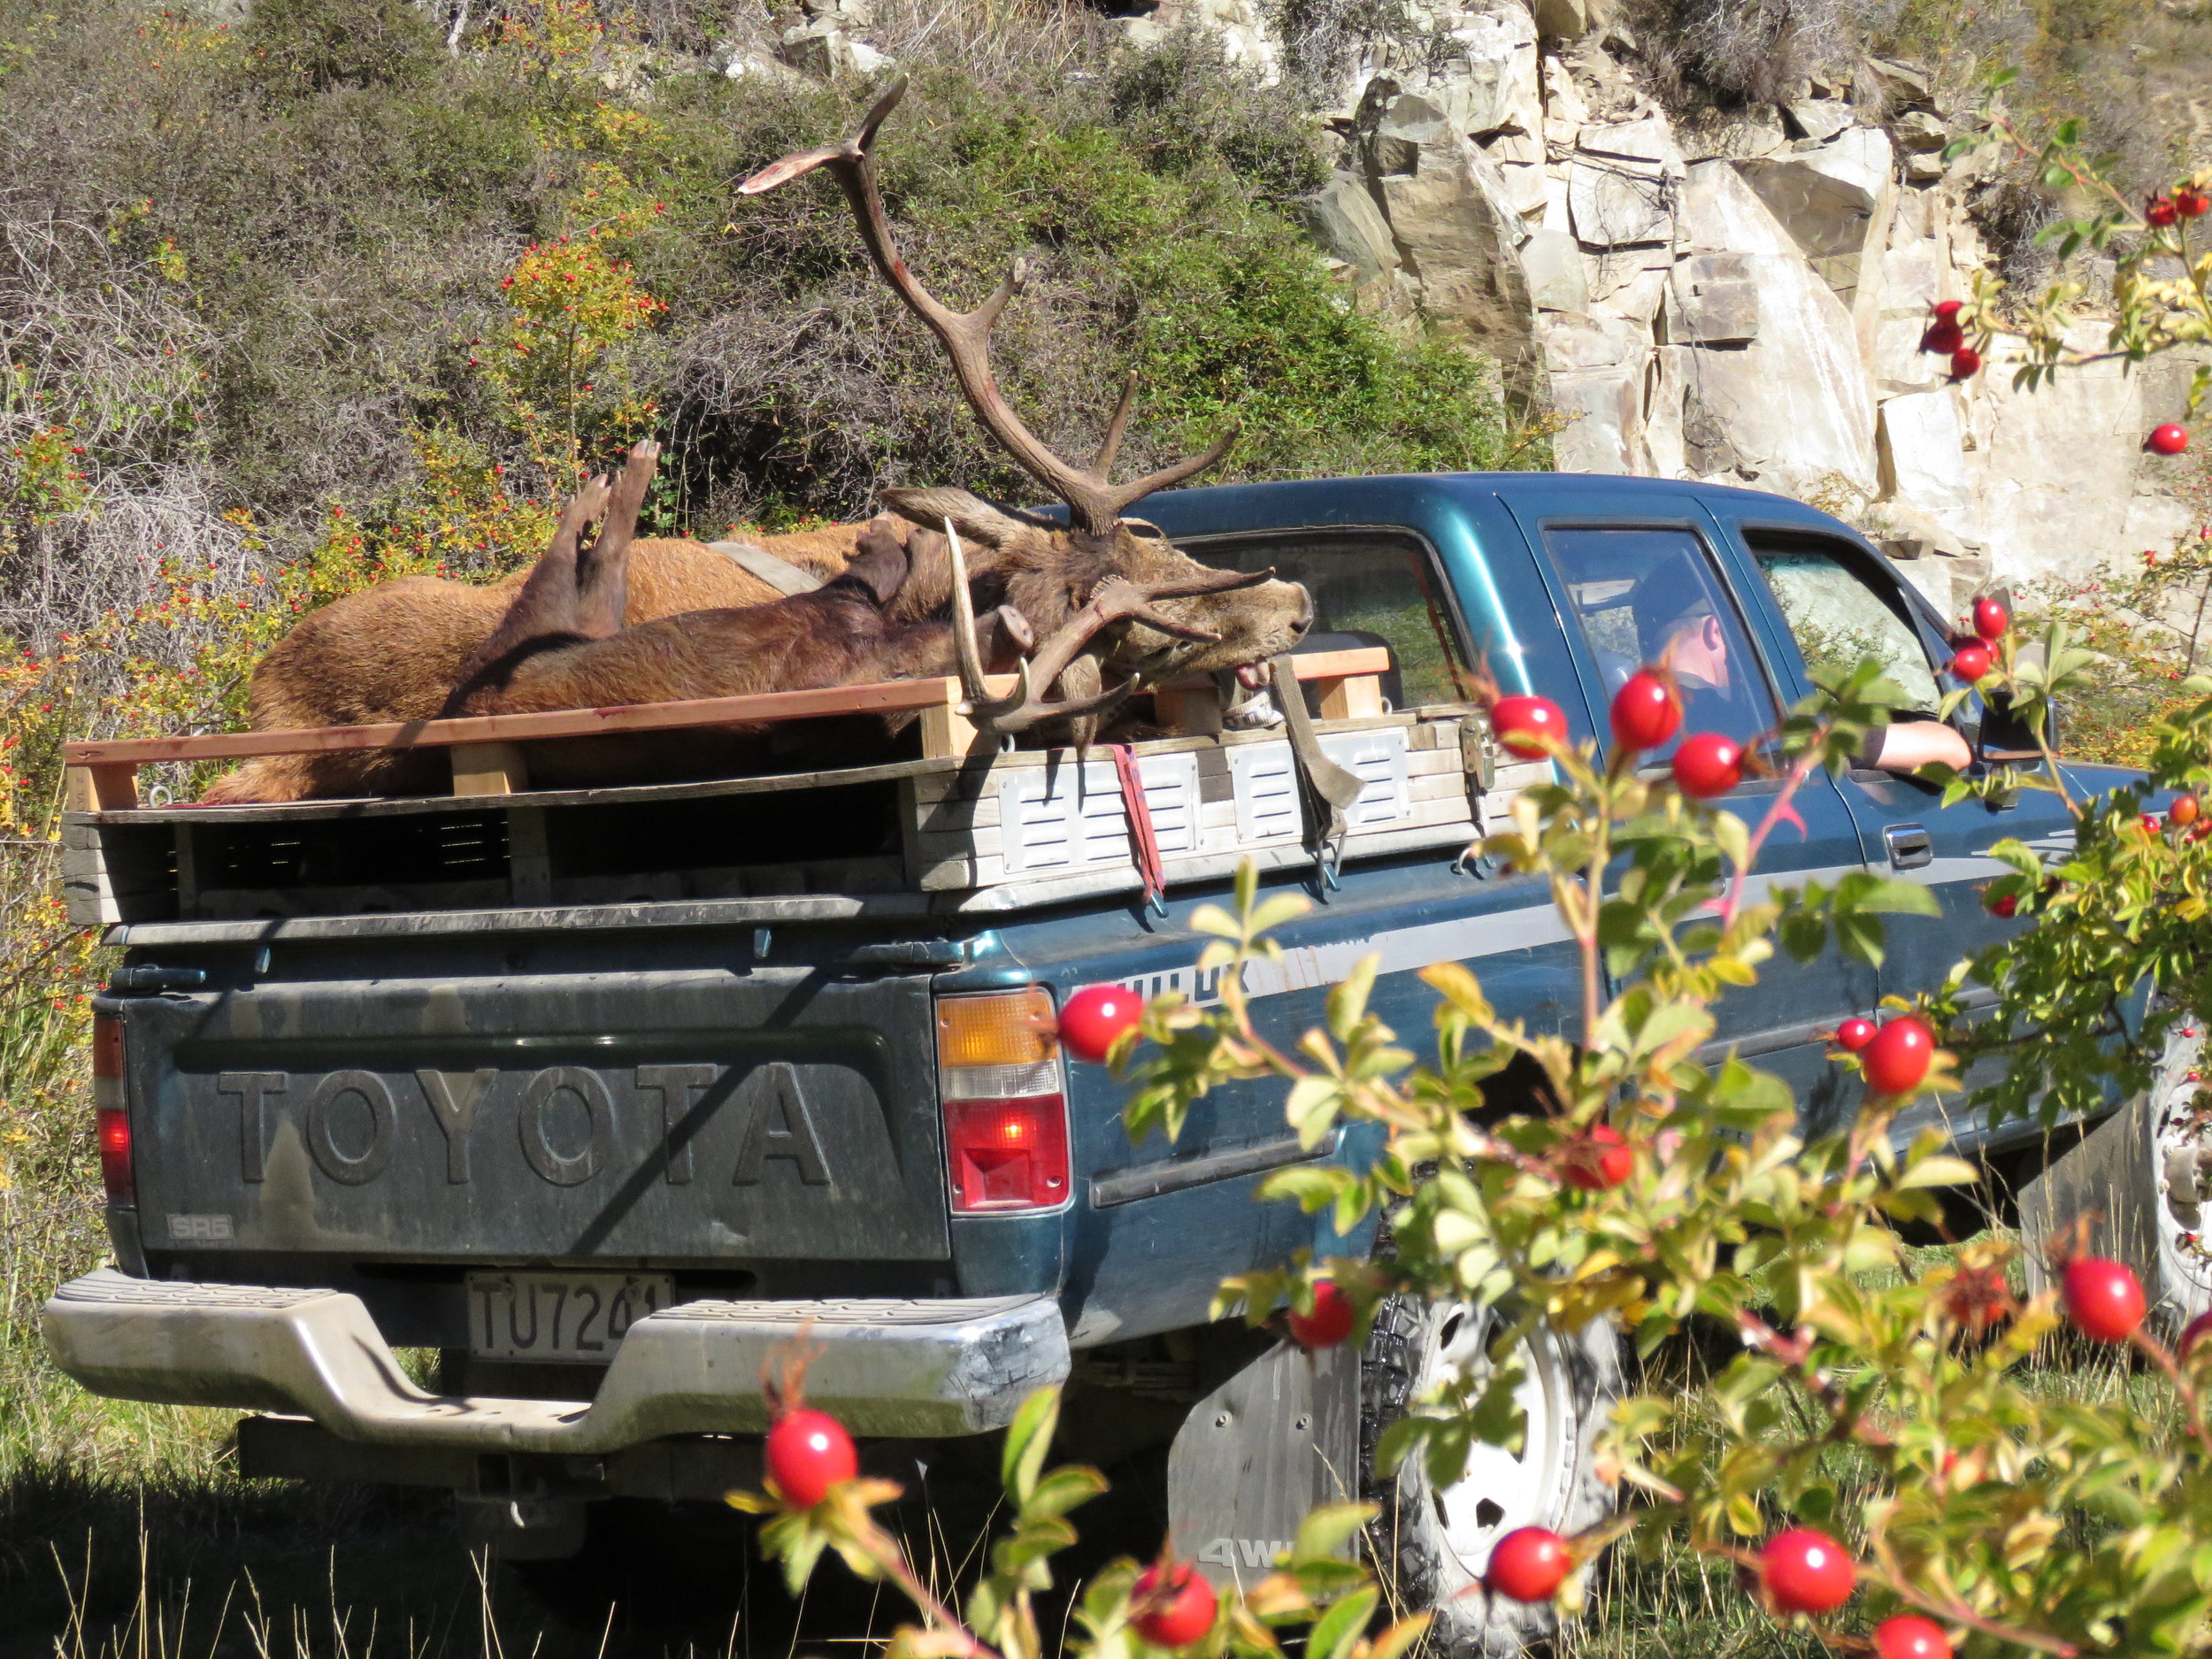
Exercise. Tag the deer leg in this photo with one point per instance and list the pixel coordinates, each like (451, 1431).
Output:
(879, 562)
(603, 569)
(544, 611)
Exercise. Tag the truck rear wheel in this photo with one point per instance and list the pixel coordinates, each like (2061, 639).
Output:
(1434, 1545)
(2141, 1181)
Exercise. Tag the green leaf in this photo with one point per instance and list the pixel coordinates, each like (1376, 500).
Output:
(1027, 1440)
(1327, 1530)
(1337, 1632)
(1062, 1490)
(1939, 1171)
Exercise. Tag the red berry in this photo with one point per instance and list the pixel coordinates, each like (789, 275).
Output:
(1529, 1564)
(1991, 619)
(2190, 201)
(1329, 1322)
(1854, 1034)
(1910, 1636)
(808, 1452)
(2171, 439)
(1707, 764)
(1899, 1055)
(1522, 724)
(2160, 213)
(1178, 1605)
(2192, 1333)
(1596, 1159)
(1807, 1571)
(2004, 905)
(1948, 311)
(2103, 1297)
(1094, 1016)
(1970, 663)
(2183, 811)
(1965, 363)
(2150, 824)
(1944, 336)
(1646, 711)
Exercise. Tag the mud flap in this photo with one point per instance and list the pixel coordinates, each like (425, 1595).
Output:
(1256, 1455)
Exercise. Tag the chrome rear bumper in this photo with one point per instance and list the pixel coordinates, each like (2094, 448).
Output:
(885, 1368)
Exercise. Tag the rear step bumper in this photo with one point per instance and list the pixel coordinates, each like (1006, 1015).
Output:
(893, 1368)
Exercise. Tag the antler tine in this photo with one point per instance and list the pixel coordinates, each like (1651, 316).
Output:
(980, 705)
(1094, 505)
(1110, 446)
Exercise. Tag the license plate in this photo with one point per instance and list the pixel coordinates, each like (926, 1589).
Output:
(577, 1317)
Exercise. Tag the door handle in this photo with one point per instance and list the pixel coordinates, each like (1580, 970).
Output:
(1909, 846)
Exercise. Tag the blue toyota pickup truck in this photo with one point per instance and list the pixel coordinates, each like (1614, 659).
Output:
(601, 1096)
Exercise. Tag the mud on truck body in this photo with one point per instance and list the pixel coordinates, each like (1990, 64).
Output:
(600, 1096)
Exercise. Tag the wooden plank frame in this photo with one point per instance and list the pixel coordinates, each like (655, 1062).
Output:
(489, 758)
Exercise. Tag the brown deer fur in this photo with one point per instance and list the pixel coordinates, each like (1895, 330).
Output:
(557, 647)
(393, 652)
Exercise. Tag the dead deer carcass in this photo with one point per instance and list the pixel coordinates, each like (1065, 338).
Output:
(557, 647)
(395, 651)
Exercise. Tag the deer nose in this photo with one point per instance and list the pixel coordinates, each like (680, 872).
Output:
(1305, 619)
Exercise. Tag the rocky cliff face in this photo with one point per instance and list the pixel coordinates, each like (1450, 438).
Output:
(1740, 302)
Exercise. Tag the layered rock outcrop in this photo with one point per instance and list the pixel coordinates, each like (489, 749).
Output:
(1740, 302)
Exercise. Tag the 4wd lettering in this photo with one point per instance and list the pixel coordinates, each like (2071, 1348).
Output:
(1249, 1552)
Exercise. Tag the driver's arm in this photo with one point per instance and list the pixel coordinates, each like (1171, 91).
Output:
(1906, 745)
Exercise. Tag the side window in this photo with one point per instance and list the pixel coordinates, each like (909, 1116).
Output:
(1653, 596)
(1368, 589)
(1839, 618)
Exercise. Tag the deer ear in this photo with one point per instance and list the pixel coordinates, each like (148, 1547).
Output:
(975, 518)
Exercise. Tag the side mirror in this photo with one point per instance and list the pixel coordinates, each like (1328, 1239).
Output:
(2005, 736)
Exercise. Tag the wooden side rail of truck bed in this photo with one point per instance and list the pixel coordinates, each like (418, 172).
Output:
(489, 758)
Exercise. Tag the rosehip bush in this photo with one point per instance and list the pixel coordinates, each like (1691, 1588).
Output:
(1872, 1456)
(1876, 1406)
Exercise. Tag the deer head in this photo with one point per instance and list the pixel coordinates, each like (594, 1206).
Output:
(1169, 614)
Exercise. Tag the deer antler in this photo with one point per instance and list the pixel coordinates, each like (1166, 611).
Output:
(999, 714)
(1094, 503)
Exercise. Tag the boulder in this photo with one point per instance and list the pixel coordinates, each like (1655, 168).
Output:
(2060, 472)
(1789, 409)
(1818, 120)
(1713, 301)
(1622, 183)
(1455, 235)
(1832, 197)
(1571, 19)
(1553, 265)
(1343, 218)
(1921, 449)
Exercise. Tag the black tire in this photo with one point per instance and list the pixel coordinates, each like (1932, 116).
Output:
(1430, 1553)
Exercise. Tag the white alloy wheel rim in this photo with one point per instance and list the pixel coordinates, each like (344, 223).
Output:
(1500, 1490)
(2181, 1173)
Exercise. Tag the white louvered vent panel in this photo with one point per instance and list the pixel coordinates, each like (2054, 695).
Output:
(1101, 820)
(1171, 790)
(1266, 792)
(1379, 760)
(1041, 818)
(1060, 819)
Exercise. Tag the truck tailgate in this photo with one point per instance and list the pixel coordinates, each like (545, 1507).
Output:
(697, 1114)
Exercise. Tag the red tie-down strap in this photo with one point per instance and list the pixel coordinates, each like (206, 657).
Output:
(1144, 846)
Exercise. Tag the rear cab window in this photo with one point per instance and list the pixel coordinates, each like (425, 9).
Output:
(1370, 588)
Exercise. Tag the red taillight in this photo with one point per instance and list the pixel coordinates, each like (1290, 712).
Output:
(1007, 1154)
(1006, 1122)
(110, 1115)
